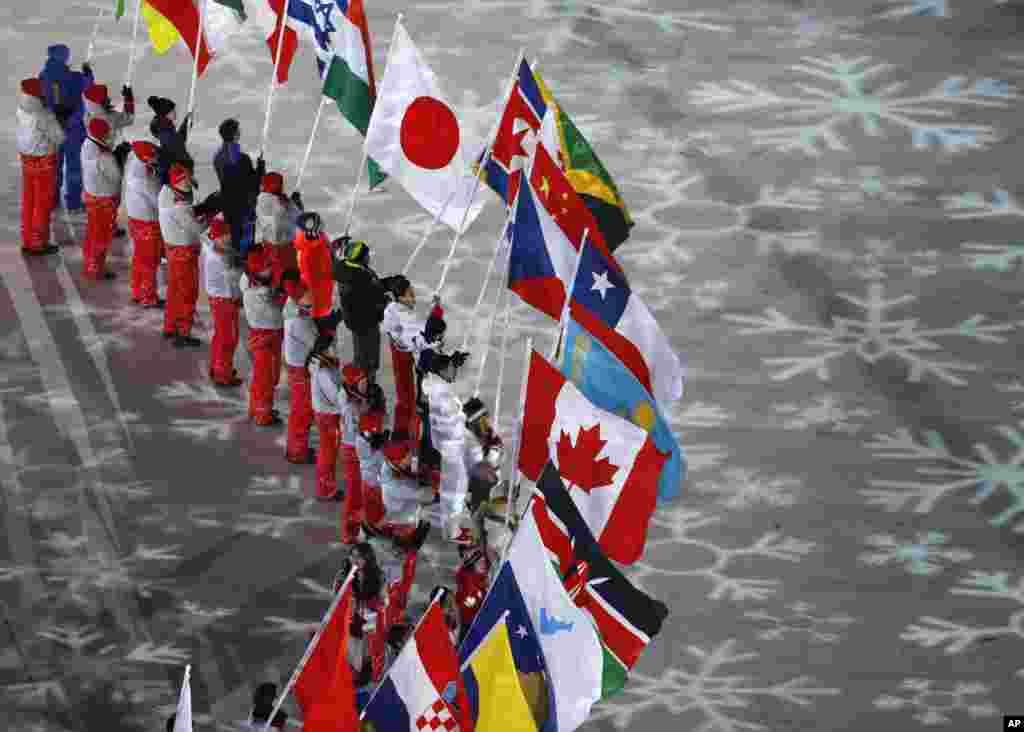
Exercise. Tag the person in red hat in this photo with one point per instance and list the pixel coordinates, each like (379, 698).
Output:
(328, 403)
(224, 293)
(141, 191)
(264, 311)
(276, 218)
(181, 223)
(299, 339)
(102, 178)
(98, 106)
(39, 137)
(365, 503)
(404, 329)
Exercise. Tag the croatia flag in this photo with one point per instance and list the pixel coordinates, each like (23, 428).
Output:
(602, 302)
(423, 688)
(609, 466)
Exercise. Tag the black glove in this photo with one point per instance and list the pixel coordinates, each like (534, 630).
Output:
(297, 200)
(379, 439)
(356, 629)
(261, 166)
(63, 113)
(127, 93)
(459, 358)
(87, 68)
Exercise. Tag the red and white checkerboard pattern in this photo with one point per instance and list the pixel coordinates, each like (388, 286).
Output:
(437, 716)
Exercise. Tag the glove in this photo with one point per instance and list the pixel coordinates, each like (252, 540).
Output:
(63, 113)
(459, 358)
(87, 68)
(297, 200)
(357, 626)
(127, 94)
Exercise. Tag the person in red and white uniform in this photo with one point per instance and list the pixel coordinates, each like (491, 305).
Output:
(180, 225)
(329, 400)
(276, 219)
(97, 103)
(404, 330)
(363, 501)
(299, 339)
(367, 647)
(224, 293)
(141, 191)
(101, 178)
(264, 311)
(39, 137)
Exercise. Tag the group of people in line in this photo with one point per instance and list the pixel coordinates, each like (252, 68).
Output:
(264, 255)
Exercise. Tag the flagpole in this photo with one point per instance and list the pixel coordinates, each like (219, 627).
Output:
(483, 289)
(312, 138)
(501, 301)
(513, 486)
(426, 234)
(506, 327)
(195, 66)
(134, 46)
(569, 286)
(366, 149)
(95, 33)
(310, 648)
(273, 78)
(482, 170)
(437, 596)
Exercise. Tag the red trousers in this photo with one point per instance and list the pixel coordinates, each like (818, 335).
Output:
(182, 289)
(147, 248)
(405, 391)
(352, 510)
(38, 199)
(399, 589)
(265, 352)
(376, 639)
(225, 337)
(329, 427)
(101, 213)
(471, 583)
(300, 416)
(373, 504)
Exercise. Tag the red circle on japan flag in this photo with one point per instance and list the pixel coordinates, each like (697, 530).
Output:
(429, 134)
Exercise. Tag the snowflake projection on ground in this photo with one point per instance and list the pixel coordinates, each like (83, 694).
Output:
(708, 690)
(840, 97)
(994, 257)
(871, 184)
(871, 338)
(231, 413)
(878, 261)
(975, 205)
(82, 572)
(740, 488)
(925, 556)
(933, 632)
(943, 473)
(1016, 387)
(672, 528)
(936, 702)
(799, 619)
(701, 456)
(826, 412)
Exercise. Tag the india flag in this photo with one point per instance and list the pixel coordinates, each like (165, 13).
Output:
(345, 59)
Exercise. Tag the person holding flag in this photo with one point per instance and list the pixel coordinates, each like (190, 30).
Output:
(62, 89)
(239, 185)
(276, 221)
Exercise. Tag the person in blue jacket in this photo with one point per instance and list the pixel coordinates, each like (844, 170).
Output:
(64, 89)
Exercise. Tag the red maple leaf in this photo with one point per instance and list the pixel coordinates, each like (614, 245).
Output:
(578, 464)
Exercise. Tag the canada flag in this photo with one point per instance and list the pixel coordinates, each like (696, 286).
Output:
(609, 466)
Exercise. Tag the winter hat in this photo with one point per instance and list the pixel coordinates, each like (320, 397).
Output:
(144, 151)
(179, 175)
(272, 183)
(474, 409)
(33, 87)
(59, 53)
(161, 107)
(228, 130)
(435, 326)
(311, 223)
(97, 93)
(99, 129)
(357, 251)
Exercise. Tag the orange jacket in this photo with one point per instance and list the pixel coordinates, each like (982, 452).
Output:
(316, 269)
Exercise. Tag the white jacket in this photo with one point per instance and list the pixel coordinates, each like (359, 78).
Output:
(117, 120)
(141, 190)
(178, 223)
(299, 336)
(447, 420)
(261, 308)
(328, 397)
(101, 175)
(370, 461)
(403, 327)
(401, 496)
(39, 133)
(221, 279)
(275, 219)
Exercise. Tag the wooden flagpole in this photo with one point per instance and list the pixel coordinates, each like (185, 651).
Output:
(312, 138)
(134, 46)
(366, 149)
(310, 648)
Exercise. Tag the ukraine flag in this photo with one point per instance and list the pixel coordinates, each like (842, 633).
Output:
(495, 693)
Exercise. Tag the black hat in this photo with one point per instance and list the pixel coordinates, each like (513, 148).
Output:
(265, 692)
(311, 223)
(161, 106)
(474, 409)
(228, 130)
(169, 727)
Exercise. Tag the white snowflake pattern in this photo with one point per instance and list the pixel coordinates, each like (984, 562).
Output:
(164, 654)
(841, 98)
(77, 638)
(925, 555)
(276, 625)
(994, 257)
(680, 523)
(740, 488)
(935, 703)
(799, 620)
(826, 412)
(932, 632)
(698, 415)
(944, 473)
(277, 526)
(38, 692)
(710, 693)
(872, 337)
(974, 205)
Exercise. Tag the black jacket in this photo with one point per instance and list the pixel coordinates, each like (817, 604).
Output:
(172, 146)
(362, 294)
(239, 179)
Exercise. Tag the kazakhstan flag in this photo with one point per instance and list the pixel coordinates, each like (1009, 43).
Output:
(602, 378)
(493, 686)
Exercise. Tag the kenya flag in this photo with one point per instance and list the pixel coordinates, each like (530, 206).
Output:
(609, 465)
